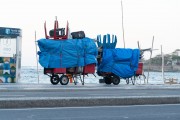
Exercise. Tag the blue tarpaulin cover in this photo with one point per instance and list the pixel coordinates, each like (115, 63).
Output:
(66, 53)
(81, 52)
(121, 62)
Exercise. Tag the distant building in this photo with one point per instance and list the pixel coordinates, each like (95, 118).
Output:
(176, 52)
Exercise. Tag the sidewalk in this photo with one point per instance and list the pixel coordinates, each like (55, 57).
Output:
(47, 95)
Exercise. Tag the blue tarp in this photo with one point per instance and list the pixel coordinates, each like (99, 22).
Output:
(81, 52)
(119, 61)
(66, 53)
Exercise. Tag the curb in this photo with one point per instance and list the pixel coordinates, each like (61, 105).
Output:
(85, 101)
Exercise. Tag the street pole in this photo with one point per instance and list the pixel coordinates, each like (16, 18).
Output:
(162, 64)
(36, 58)
(122, 23)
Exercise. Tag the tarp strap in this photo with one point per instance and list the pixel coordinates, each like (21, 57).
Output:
(61, 48)
(75, 46)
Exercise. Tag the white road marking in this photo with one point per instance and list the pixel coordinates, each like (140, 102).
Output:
(12, 95)
(90, 107)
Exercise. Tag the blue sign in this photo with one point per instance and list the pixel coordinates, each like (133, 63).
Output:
(10, 32)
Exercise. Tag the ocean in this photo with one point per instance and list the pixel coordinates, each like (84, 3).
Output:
(29, 75)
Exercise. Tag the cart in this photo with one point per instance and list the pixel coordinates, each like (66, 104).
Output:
(62, 75)
(109, 56)
(109, 78)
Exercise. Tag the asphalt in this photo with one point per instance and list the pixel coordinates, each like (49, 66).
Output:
(46, 95)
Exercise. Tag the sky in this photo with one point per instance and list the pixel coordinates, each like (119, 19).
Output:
(143, 19)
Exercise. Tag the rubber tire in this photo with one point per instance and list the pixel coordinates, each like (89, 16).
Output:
(107, 80)
(64, 80)
(54, 79)
(115, 80)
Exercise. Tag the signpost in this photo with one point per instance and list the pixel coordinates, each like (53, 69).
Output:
(10, 54)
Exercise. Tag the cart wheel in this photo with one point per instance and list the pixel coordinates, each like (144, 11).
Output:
(107, 80)
(54, 79)
(115, 80)
(127, 80)
(64, 80)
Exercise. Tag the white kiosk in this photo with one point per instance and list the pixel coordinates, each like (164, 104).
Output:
(10, 54)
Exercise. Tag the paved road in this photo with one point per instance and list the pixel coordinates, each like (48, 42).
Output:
(90, 93)
(46, 95)
(145, 112)
(89, 90)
